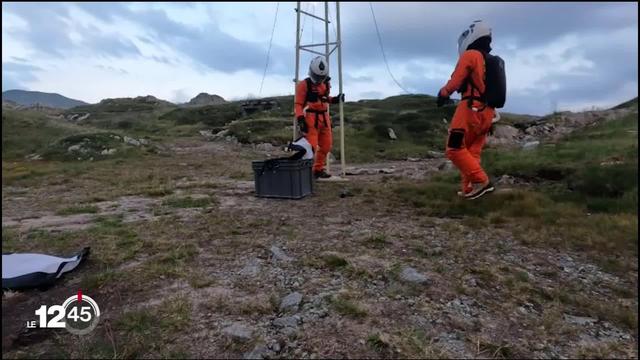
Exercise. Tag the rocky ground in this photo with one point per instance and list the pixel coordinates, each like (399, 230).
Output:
(528, 133)
(187, 262)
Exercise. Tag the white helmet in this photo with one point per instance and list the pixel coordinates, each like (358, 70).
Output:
(318, 69)
(476, 30)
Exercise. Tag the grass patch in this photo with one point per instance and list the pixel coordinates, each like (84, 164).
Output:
(170, 262)
(199, 279)
(618, 314)
(378, 241)
(276, 131)
(492, 350)
(248, 306)
(211, 115)
(186, 202)
(521, 276)
(149, 330)
(115, 241)
(78, 209)
(334, 262)
(579, 166)
(376, 342)
(98, 280)
(538, 220)
(346, 307)
(158, 191)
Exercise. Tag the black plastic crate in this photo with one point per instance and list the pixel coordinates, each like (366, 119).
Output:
(283, 178)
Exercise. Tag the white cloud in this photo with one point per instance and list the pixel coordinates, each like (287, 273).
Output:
(162, 70)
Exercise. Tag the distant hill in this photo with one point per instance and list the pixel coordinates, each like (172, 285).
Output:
(628, 104)
(29, 98)
(203, 99)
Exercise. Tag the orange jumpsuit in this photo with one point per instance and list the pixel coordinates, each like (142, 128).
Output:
(312, 103)
(468, 129)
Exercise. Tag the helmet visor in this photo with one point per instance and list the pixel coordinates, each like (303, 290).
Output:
(317, 78)
(462, 37)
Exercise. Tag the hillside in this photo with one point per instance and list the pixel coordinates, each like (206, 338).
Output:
(29, 98)
(186, 262)
(633, 103)
(418, 125)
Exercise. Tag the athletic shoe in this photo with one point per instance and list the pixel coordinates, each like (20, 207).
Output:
(480, 189)
(322, 174)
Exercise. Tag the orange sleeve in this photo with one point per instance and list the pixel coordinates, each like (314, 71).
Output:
(301, 97)
(465, 66)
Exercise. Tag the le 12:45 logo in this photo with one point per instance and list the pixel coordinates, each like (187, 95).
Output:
(78, 314)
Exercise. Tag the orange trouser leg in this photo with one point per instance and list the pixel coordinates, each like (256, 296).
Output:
(320, 138)
(475, 149)
(467, 135)
(312, 133)
(325, 142)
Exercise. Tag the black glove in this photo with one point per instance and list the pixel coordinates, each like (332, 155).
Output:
(302, 124)
(442, 100)
(338, 98)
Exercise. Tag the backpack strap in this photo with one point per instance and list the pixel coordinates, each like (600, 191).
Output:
(469, 82)
(308, 95)
(314, 96)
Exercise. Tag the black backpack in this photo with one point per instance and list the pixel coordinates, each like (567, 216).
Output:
(495, 93)
(495, 81)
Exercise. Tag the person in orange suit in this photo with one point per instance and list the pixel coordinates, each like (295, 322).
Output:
(472, 119)
(312, 112)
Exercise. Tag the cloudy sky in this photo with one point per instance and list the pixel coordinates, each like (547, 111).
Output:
(558, 56)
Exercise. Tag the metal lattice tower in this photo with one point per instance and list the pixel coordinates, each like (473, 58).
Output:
(329, 48)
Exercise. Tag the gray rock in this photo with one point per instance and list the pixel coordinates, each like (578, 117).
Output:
(74, 148)
(108, 152)
(506, 180)
(265, 147)
(530, 145)
(289, 331)
(222, 133)
(252, 268)
(279, 255)
(505, 132)
(463, 306)
(291, 302)
(409, 274)
(260, 351)
(354, 171)
(392, 134)
(238, 332)
(144, 141)
(579, 320)
(470, 281)
(435, 154)
(446, 166)
(131, 141)
(287, 321)
(206, 133)
(32, 157)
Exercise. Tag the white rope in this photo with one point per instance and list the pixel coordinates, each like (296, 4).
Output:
(266, 65)
(384, 56)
